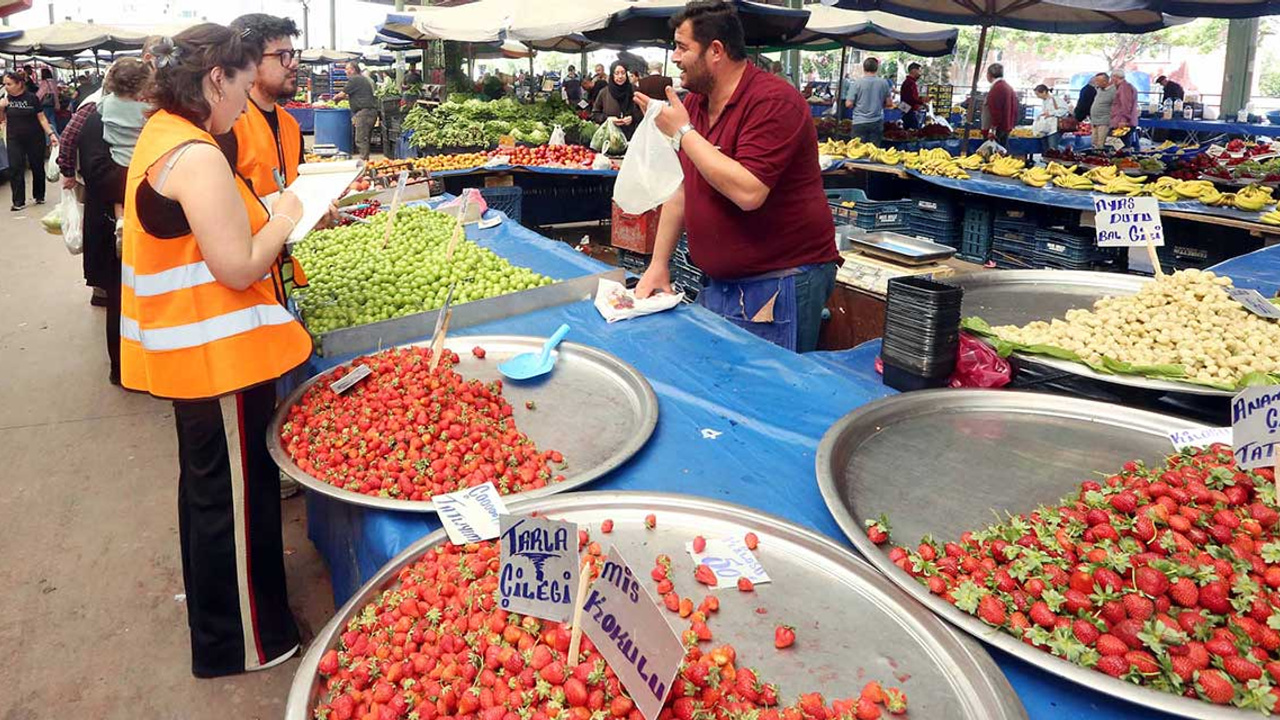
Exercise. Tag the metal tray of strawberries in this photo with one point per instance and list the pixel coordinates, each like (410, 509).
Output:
(852, 625)
(940, 462)
(588, 388)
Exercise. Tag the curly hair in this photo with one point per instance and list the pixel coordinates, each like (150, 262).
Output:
(127, 77)
(263, 28)
(183, 61)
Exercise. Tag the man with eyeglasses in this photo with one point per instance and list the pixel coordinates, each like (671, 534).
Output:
(266, 139)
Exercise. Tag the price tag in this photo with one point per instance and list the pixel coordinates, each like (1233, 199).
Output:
(346, 382)
(729, 559)
(631, 632)
(470, 515)
(1254, 302)
(1199, 437)
(1255, 426)
(539, 569)
(1127, 221)
(1215, 151)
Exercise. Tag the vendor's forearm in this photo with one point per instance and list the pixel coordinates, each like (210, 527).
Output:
(725, 174)
(669, 227)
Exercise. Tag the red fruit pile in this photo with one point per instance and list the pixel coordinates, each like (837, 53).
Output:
(564, 155)
(1166, 577)
(436, 646)
(409, 432)
(364, 210)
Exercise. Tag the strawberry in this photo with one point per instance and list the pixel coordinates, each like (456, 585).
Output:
(575, 692)
(699, 543)
(672, 601)
(895, 701)
(1215, 688)
(1077, 602)
(866, 710)
(478, 352)
(1142, 661)
(650, 521)
(872, 691)
(1113, 665)
(1150, 582)
(1184, 592)
(1222, 647)
(621, 706)
(784, 636)
(328, 663)
(1085, 631)
(991, 610)
(705, 575)
(1216, 597)
(606, 526)
(1183, 667)
(1109, 644)
(1241, 669)
(751, 540)
(745, 585)
(1042, 615)
(1137, 607)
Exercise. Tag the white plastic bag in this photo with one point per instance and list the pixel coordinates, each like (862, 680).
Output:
(991, 147)
(1044, 125)
(52, 172)
(72, 215)
(615, 302)
(557, 136)
(650, 172)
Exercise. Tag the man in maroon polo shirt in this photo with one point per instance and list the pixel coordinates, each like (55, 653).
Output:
(752, 202)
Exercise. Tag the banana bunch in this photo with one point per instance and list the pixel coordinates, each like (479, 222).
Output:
(1164, 145)
(1005, 166)
(1057, 169)
(1193, 188)
(892, 156)
(1218, 199)
(1103, 174)
(1072, 181)
(855, 150)
(971, 162)
(1162, 189)
(1121, 185)
(942, 168)
(1271, 218)
(1254, 198)
(834, 148)
(1036, 177)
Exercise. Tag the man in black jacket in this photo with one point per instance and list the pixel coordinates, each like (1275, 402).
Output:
(1085, 103)
(1172, 90)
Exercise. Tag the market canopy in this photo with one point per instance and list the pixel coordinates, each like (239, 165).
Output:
(646, 22)
(9, 7)
(1050, 16)
(540, 23)
(324, 56)
(70, 37)
(876, 31)
(1218, 8)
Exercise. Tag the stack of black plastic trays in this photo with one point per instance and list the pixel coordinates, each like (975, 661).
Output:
(921, 333)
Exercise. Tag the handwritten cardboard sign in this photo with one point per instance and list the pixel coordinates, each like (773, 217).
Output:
(729, 558)
(470, 515)
(1127, 221)
(632, 634)
(1254, 302)
(539, 570)
(1255, 426)
(1199, 437)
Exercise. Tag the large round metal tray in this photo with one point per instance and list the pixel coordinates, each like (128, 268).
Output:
(1017, 297)
(941, 462)
(852, 625)
(594, 408)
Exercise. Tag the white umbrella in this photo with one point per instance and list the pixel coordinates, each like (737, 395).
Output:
(70, 37)
(877, 31)
(541, 23)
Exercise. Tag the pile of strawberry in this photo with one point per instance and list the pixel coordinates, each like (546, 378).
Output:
(1165, 577)
(436, 646)
(410, 432)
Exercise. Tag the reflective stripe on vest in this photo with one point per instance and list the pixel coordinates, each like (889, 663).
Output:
(182, 277)
(180, 337)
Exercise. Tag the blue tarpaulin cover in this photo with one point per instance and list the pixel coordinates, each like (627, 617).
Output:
(1210, 126)
(771, 406)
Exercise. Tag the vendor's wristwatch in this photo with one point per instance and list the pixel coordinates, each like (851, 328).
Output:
(684, 130)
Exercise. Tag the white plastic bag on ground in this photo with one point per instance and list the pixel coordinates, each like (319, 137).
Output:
(72, 215)
(557, 136)
(615, 302)
(52, 172)
(650, 172)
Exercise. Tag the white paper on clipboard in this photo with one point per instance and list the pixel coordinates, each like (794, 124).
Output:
(317, 185)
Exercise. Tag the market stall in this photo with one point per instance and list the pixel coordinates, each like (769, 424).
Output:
(1207, 130)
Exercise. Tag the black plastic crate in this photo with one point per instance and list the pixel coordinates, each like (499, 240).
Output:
(939, 231)
(935, 206)
(975, 240)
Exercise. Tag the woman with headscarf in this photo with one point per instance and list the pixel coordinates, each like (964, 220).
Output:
(617, 104)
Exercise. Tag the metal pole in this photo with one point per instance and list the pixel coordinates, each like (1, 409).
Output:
(844, 56)
(306, 25)
(50, 13)
(333, 24)
(399, 55)
(973, 91)
(1237, 71)
(665, 53)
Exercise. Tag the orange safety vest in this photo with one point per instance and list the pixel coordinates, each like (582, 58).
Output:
(184, 335)
(259, 153)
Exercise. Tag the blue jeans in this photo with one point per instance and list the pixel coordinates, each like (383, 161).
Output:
(872, 132)
(784, 308)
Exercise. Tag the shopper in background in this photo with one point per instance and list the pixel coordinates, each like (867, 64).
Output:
(47, 91)
(869, 96)
(571, 87)
(364, 107)
(1084, 103)
(1124, 107)
(1051, 111)
(412, 77)
(1000, 110)
(103, 156)
(617, 105)
(1100, 112)
(752, 202)
(596, 84)
(909, 97)
(26, 130)
(654, 84)
(1172, 90)
(204, 324)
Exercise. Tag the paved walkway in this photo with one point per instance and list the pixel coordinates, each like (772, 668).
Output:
(91, 619)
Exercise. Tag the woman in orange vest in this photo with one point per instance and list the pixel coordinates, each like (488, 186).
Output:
(203, 323)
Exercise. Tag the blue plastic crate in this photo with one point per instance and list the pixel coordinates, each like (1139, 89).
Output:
(507, 199)
(935, 206)
(867, 214)
(944, 232)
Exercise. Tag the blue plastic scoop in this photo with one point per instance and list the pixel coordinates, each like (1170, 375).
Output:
(530, 365)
